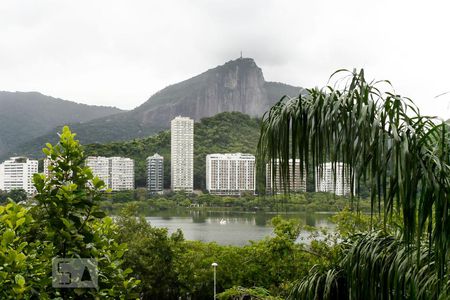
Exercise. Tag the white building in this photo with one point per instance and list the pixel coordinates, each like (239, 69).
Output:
(155, 173)
(325, 181)
(2, 175)
(230, 174)
(182, 154)
(17, 173)
(121, 173)
(297, 180)
(100, 167)
(47, 163)
(116, 172)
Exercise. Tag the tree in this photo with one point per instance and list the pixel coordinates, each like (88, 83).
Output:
(69, 218)
(17, 195)
(383, 138)
(152, 254)
(25, 262)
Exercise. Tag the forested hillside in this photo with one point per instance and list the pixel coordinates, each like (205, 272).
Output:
(25, 116)
(225, 132)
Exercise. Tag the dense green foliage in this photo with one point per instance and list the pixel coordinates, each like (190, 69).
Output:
(15, 195)
(225, 132)
(25, 116)
(302, 202)
(376, 266)
(406, 159)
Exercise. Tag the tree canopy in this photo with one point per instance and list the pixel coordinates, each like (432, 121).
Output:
(383, 138)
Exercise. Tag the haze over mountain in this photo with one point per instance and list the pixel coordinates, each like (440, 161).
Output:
(27, 115)
(238, 85)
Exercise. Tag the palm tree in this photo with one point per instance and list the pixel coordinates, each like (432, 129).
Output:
(404, 158)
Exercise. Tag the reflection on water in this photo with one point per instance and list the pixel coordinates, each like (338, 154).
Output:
(230, 227)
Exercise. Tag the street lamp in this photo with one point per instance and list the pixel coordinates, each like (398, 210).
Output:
(214, 265)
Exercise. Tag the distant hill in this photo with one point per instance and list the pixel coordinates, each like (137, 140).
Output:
(238, 85)
(225, 132)
(27, 115)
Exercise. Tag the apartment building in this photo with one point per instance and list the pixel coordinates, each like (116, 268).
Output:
(230, 174)
(121, 173)
(100, 167)
(297, 179)
(155, 173)
(326, 182)
(17, 173)
(116, 172)
(182, 154)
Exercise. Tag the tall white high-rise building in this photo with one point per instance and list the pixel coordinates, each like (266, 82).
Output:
(325, 181)
(121, 173)
(17, 173)
(297, 182)
(47, 163)
(155, 173)
(230, 174)
(100, 167)
(116, 172)
(182, 154)
(2, 175)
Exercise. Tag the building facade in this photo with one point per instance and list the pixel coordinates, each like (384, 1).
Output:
(121, 173)
(17, 173)
(47, 163)
(230, 174)
(100, 167)
(325, 178)
(297, 179)
(155, 173)
(116, 172)
(182, 154)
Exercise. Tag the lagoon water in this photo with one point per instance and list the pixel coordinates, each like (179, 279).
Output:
(231, 227)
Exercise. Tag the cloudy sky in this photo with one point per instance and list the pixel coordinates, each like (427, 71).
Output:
(119, 53)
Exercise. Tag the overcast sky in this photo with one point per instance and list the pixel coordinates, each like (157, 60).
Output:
(119, 53)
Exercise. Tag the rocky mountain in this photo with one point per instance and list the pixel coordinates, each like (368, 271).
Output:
(238, 85)
(24, 116)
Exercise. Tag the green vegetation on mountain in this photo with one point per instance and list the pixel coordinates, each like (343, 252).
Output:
(226, 132)
(237, 85)
(25, 116)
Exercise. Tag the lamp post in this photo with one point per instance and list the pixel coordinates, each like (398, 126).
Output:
(214, 265)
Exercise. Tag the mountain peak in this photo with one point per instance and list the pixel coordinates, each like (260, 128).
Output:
(243, 63)
(248, 61)
(236, 86)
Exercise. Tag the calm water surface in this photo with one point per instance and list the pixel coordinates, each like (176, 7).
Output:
(231, 227)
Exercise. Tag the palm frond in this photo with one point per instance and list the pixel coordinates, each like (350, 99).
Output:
(382, 137)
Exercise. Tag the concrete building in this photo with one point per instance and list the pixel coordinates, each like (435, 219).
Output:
(116, 172)
(182, 154)
(100, 167)
(297, 182)
(155, 173)
(17, 173)
(2, 175)
(121, 173)
(325, 178)
(230, 174)
(46, 165)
